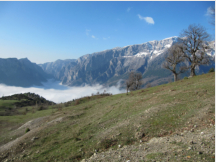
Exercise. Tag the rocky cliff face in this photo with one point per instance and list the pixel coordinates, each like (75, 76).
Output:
(21, 72)
(107, 67)
(54, 68)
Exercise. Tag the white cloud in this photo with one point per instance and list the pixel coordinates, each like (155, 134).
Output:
(93, 36)
(87, 31)
(128, 9)
(149, 20)
(210, 11)
(105, 38)
(53, 91)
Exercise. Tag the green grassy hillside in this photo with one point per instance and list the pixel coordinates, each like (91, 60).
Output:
(22, 103)
(72, 132)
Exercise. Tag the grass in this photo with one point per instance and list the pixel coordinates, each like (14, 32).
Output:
(106, 122)
(5, 104)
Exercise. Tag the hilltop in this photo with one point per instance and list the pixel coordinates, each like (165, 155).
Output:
(170, 122)
(11, 105)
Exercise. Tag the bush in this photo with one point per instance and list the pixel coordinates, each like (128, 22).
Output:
(185, 77)
(211, 70)
(27, 130)
(107, 143)
(77, 102)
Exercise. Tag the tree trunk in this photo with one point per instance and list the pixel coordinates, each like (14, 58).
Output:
(193, 71)
(175, 77)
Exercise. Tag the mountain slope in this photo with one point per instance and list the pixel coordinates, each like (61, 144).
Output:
(168, 119)
(107, 67)
(102, 66)
(54, 68)
(21, 72)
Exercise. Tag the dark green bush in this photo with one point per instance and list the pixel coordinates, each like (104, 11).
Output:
(107, 143)
(211, 70)
(27, 130)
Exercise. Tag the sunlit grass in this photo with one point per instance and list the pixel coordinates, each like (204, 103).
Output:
(102, 123)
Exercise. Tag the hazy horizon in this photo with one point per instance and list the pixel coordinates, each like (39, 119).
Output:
(53, 91)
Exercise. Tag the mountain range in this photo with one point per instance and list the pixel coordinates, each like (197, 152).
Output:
(21, 72)
(107, 67)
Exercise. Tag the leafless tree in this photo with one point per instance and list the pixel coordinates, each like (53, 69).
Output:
(134, 81)
(194, 46)
(174, 57)
(128, 83)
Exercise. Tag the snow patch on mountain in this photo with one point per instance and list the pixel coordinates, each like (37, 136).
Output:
(156, 52)
(168, 45)
(152, 48)
(174, 37)
(141, 54)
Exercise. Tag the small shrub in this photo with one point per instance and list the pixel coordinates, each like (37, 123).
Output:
(77, 102)
(107, 143)
(33, 110)
(27, 130)
(211, 70)
(128, 141)
(60, 107)
(40, 108)
(185, 77)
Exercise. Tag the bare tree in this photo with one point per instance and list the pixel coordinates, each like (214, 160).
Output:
(174, 57)
(128, 83)
(134, 81)
(194, 46)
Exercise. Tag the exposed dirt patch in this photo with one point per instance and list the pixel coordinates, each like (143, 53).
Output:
(194, 146)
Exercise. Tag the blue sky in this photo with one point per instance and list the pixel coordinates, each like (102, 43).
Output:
(47, 31)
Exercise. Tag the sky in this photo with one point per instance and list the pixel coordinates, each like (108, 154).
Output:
(44, 31)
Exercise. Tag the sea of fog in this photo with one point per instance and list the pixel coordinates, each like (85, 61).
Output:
(52, 90)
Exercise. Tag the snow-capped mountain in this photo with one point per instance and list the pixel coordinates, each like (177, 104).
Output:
(108, 66)
(153, 48)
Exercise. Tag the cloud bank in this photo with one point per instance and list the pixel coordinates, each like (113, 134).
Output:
(149, 20)
(54, 91)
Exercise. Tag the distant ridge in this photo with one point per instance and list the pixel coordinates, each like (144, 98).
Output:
(108, 66)
(21, 72)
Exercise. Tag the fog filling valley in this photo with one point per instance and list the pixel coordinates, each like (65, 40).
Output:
(54, 91)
